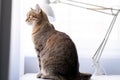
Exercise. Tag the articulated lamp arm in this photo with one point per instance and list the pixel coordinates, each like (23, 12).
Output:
(96, 57)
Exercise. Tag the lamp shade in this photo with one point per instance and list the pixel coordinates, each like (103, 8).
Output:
(47, 9)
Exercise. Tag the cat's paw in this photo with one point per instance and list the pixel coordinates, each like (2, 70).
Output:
(49, 77)
(39, 75)
(45, 76)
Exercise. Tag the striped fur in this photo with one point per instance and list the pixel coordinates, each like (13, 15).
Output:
(57, 55)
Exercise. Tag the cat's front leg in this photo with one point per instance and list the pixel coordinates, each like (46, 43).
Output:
(39, 75)
(39, 61)
(38, 50)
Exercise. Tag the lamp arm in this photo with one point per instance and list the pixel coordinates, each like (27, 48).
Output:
(83, 5)
(99, 51)
(96, 57)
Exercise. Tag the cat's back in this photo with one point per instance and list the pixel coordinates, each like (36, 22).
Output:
(59, 40)
(60, 55)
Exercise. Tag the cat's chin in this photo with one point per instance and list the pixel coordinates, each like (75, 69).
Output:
(31, 23)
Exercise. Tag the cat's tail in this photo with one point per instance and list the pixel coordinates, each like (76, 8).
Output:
(83, 76)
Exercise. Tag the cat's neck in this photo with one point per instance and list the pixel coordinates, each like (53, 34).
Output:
(41, 33)
(41, 27)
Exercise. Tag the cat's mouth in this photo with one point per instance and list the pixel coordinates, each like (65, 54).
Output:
(29, 23)
(26, 20)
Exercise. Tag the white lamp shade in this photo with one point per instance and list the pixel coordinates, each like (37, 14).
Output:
(47, 9)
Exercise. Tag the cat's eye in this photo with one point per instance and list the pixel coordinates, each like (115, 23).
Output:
(30, 16)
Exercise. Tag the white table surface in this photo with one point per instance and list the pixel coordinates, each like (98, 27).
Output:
(32, 76)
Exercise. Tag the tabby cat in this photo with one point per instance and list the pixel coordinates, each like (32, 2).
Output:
(58, 59)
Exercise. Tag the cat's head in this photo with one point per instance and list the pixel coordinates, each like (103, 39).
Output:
(35, 15)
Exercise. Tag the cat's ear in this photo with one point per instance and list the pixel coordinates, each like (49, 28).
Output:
(38, 9)
(31, 8)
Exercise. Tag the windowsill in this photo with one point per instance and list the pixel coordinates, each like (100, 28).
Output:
(32, 76)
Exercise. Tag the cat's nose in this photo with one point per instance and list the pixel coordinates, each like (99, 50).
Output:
(26, 20)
